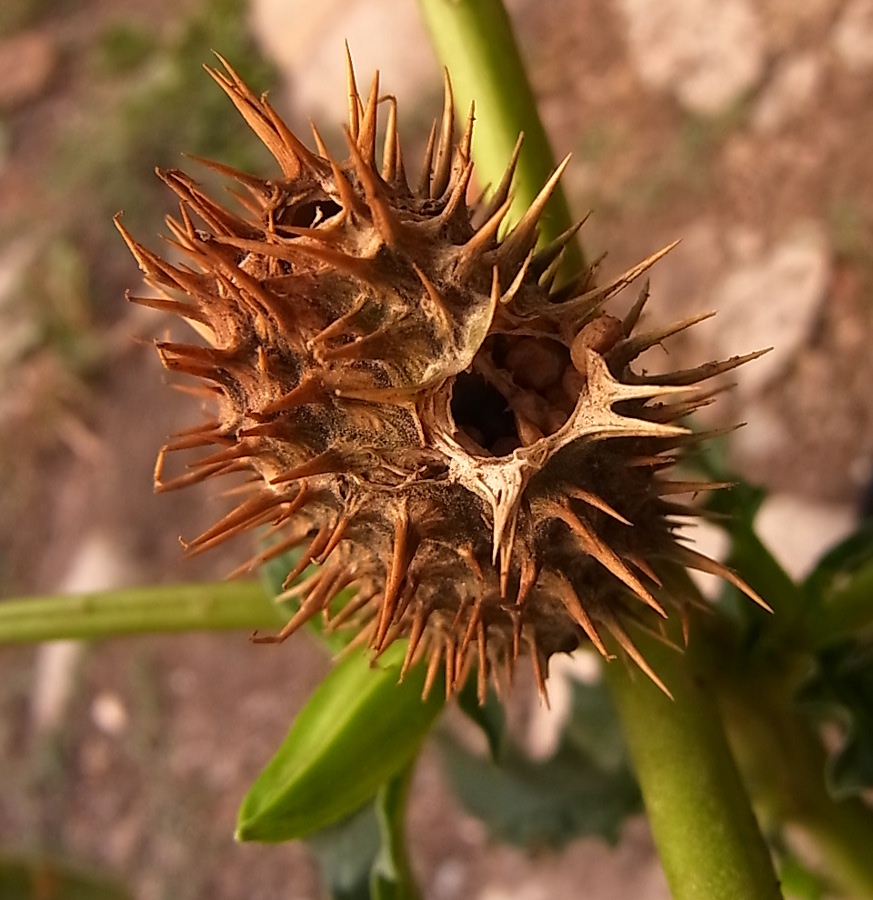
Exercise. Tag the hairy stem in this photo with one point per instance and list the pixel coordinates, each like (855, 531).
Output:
(161, 608)
(474, 40)
(707, 837)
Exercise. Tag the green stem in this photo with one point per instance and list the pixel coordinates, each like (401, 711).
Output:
(392, 877)
(164, 608)
(701, 819)
(474, 40)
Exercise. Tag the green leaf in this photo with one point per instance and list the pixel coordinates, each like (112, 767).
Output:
(346, 852)
(363, 857)
(46, 879)
(843, 687)
(835, 569)
(593, 728)
(359, 728)
(840, 590)
(586, 788)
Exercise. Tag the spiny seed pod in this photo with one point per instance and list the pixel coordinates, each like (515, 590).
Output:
(422, 406)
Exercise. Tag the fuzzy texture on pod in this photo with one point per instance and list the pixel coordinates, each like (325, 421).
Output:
(422, 406)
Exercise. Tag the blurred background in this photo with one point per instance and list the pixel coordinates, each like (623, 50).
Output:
(743, 128)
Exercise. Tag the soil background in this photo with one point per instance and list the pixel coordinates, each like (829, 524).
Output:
(745, 130)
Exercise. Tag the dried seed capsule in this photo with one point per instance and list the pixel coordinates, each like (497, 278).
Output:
(351, 326)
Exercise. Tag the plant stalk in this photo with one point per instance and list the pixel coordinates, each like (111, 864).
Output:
(701, 819)
(148, 610)
(475, 42)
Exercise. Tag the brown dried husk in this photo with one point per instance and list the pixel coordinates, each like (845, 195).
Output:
(440, 424)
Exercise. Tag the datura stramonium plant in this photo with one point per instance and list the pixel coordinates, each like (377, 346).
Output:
(441, 423)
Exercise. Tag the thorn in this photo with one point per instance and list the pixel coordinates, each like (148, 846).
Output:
(354, 96)
(585, 304)
(521, 240)
(482, 664)
(452, 671)
(366, 142)
(355, 348)
(336, 536)
(291, 252)
(433, 665)
(311, 606)
(315, 547)
(685, 619)
(380, 211)
(457, 198)
(416, 630)
(706, 371)
(527, 579)
(629, 322)
(395, 575)
(546, 258)
(348, 199)
(434, 296)
(643, 566)
(597, 548)
(265, 556)
(501, 194)
(305, 156)
(615, 629)
(339, 326)
(473, 622)
(323, 463)
(631, 347)
(247, 515)
(486, 235)
(442, 168)
(598, 503)
(255, 116)
(235, 451)
(667, 488)
(255, 184)
(568, 596)
(310, 390)
(389, 147)
(691, 559)
(540, 667)
(173, 307)
(466, 143)
(356, 604)
(423, 189)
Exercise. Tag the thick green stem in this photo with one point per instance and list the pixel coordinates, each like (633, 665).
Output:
(707, 837)
(474, 40)
(163, 608)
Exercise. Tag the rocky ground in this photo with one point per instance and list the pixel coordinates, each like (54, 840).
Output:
(745, 129)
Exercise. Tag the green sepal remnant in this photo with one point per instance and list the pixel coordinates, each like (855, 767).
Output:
(358, 729)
